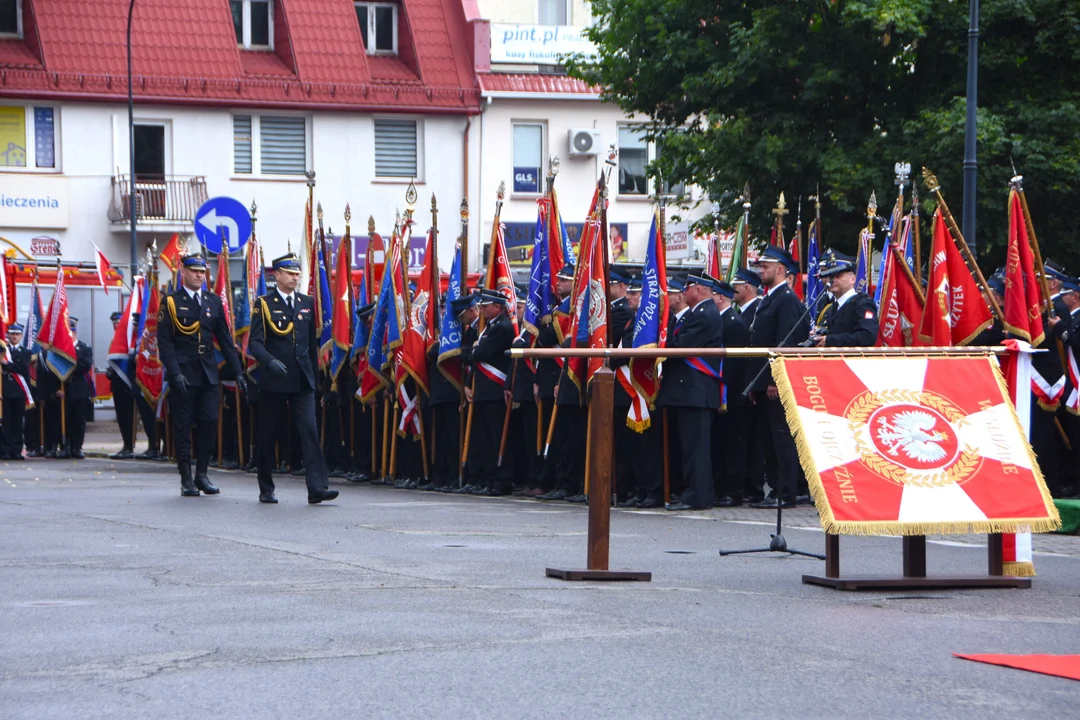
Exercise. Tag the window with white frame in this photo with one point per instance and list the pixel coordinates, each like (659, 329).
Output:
(378, 27)
(253, 21)
(635, 154)
(396, 148)
(528, 157)
(281, 142)
(553, 12)
(28, 138)
(10, 18)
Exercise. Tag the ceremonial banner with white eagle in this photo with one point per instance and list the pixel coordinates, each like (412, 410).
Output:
(913, 446)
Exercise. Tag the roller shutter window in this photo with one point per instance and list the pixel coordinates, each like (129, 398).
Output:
(395, 148)
(242, 144)
(283, 145)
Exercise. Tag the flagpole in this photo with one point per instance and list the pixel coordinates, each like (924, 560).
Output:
(464, 213)
(436, 293)
(917, 234)
(1018, 184)
(935, 189)
(661, 226)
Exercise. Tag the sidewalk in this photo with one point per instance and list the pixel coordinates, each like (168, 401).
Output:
(103, 439)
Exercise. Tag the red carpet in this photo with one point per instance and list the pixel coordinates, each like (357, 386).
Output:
(1066, 666)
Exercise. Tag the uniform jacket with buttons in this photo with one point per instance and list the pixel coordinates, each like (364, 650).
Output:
(192, 353)
(291, 336)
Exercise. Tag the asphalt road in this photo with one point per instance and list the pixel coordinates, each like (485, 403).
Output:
(120, 599)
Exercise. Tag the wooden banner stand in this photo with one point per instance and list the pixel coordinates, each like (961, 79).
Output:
(601, 430)
(914, 576)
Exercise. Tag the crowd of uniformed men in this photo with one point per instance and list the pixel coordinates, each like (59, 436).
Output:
(725, 434)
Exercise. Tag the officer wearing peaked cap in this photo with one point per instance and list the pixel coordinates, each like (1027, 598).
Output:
(16, 388)
(490, 367)
(285, 343)
(851, 320)
(1055, 279)
(780, 321)
(189, 322)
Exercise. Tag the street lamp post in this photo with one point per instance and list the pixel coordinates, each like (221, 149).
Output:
(970, 163)
(131, 147)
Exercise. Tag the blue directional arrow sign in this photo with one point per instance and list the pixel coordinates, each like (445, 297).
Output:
(222, 215)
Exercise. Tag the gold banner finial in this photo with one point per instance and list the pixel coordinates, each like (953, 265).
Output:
(501, 194)
(871, 206)
(318, 211)
(931, 181)
(434, 204)
(464, 210)
(254, 208)
(348, 213)
(370, 225)
(781, 207)
(745, 197)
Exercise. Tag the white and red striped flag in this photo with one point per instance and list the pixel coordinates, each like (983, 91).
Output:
(103, 266)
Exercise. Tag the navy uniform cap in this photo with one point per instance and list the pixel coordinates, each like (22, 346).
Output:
(723, 288)
(464, 302)
(288, 263)
(366, 310)
(635, 286)
(745, 276)
(616, 275)
(196, 261)
(116, 316)
(15, 328)
(779, 255)
(674, 285)
(703, 278)
(997, 283)
(492, 297)
(566, 273)
(521, 291)
(836, 264)
(1070, 285)
(1054, 270)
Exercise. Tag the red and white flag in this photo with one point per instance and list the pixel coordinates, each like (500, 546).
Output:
(1016, 366)
(955, 310)
(103, 266)
(1023, 311)
(901, 306)
(913, 445)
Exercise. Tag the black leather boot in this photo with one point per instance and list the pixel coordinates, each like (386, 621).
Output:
(187, 486)
(201, 480)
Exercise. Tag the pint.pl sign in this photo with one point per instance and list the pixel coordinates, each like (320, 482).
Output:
(537, 44)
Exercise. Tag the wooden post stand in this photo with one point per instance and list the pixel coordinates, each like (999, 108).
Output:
(601, 410)
(915, 576)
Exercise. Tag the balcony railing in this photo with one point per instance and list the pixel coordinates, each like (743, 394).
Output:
(170, 199)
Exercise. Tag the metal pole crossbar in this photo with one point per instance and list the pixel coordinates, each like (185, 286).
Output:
(756, 352)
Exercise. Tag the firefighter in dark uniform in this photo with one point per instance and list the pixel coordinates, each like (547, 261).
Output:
(780, 321)
(730, 447)
(284, 341)
(851, 320)
(746, 301)
(691, 388)
(521, 448)
(79, 393)
(16, 384)
(123, 404)
(490, 366)
(446, 401)
(188, 323)
(1055, 279)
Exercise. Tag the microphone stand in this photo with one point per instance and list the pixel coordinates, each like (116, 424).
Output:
(777, 543)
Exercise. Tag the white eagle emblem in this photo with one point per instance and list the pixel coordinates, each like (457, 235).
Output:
(912, 432)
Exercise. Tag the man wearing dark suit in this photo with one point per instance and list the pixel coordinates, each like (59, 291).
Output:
(743, 412)
(79, 393)
(560, 472)
(851, 320)
(446, 401)
(285, 343)
(16, 384)
(1066, 330)
(780, 321)
(188, 323)
(729, 433)
(521, 446)
(1055, 279)
(490, 366)
(691, 388)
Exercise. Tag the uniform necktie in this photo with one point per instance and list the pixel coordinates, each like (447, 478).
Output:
(198, 300)
(289, 301)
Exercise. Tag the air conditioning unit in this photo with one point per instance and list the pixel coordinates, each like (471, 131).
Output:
(584, 143)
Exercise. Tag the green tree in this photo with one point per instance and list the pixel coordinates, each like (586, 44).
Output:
(789, 94)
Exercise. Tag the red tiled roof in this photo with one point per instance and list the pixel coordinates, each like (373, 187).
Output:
(186, 52)
(537, 84)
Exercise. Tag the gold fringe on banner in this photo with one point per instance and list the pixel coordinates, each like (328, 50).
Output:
(832, 526)
(1019, 569)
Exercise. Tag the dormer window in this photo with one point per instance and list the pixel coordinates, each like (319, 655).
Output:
(10, 18)
(378, 27)
(253, 21)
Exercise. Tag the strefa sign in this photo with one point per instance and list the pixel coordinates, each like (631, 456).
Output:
(30, 201)
(537, 44)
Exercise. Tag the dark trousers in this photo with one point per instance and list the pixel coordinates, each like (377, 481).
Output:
(447, 420)
(568, 448)
(778, 446)
(197, 408)
(753, 483)
(730, 454)
(149, 420)
(545, 471)
(695, 431)
(644, 469)
(361, 432)
(487, 435)
(273, 405)
(12, 429)
(124, 403)
(1046, 443)
(74, 418)
(527, 465)
(31, 426)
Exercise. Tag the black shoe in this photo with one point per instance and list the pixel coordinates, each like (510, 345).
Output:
(187, 485)
(770, 503)
(497, 492)
(728, 501)
(631, 502)
(379, 481)
(298, 471)
(33, 453)
(447, 489)
(580, 498)
(401, 483)
(651, 502)
(479, 490)
(412, 485)
(62, 454)
(231, 465)
(677, 506)
(803, 500)
(124, 454)
(78, 455)
(339, 474)
(202, 481)
(252, 469)
(270, 499)
(281, 469)
(315, 497)
(360, 477)
(428, 487)
(148, 454)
